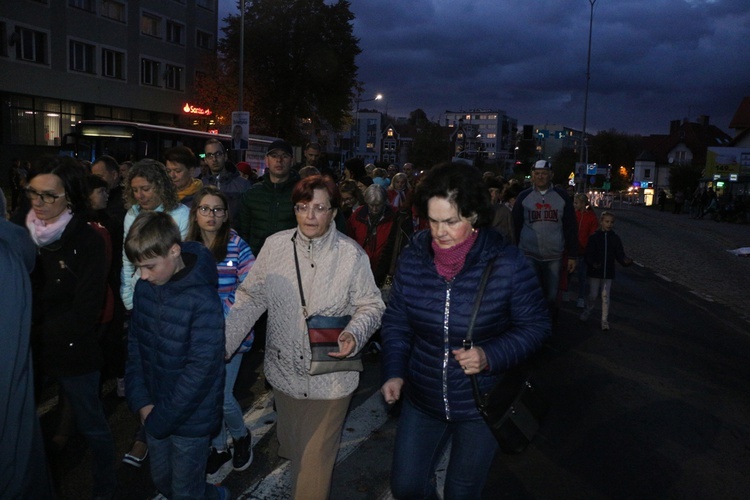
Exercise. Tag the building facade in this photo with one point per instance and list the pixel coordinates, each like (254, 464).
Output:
(62, 61)
(489, 133)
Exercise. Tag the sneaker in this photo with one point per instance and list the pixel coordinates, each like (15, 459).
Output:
(137, 454)
(585, 315)
(580, 304)
(605, 325)
(243, 452)
(216, 459)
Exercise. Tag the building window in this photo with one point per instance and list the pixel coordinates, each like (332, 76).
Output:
(491, 136)
(203, 39)
(151, 25)
(113, 63)
(3, 36)
(175, 32)
(150, 72)
(31, 45)
(390, 132)
(206, 4)
(173, 77)
(82, 57)
(113, 10)
(87, 5)
(647, 173)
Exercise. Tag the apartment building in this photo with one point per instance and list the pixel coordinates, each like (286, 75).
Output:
(62, 61)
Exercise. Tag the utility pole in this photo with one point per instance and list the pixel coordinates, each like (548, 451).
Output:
(586, 96)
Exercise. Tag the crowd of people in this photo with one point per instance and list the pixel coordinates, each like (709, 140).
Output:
(163, 274)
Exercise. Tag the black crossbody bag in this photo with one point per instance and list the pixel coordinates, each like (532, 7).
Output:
(514, 407)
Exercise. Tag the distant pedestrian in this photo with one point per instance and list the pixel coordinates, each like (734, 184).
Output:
(604, 247)
(587, 225)
(662, 199)
(679, 201)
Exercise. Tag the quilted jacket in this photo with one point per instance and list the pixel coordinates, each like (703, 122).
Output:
(427, 317)
(336, 280)
(176, 349)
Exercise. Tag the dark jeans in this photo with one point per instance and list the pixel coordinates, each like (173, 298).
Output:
(178, 467)
(420, 441)
(82, 393)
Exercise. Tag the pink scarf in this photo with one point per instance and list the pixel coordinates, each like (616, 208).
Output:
(43, 233)
(449, 261)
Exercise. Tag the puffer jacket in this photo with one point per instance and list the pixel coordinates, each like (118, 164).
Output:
(428, 317)
(176, 349)
(266, 208)
(604, 248)
(336, 280)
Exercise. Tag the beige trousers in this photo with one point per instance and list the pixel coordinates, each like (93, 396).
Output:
(309, 433)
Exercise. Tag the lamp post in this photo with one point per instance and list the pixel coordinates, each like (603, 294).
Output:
(586, 96)
(356, 116)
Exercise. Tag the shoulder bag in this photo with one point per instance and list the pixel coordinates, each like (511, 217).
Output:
(514, 407)
(323, 332)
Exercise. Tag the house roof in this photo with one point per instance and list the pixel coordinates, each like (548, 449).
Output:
(741, 118)
(697, 137)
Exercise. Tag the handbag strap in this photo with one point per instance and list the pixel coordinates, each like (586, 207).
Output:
(299, 276)
(468, 344)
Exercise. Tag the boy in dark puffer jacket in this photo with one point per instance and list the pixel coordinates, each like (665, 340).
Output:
(175, 373)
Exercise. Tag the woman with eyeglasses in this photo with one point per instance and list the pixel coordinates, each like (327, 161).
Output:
(333, 274)
(147, 187)
(68, 293)
(209, 224)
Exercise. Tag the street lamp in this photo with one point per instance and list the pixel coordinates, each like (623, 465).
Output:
(357, 102)
(586, 96)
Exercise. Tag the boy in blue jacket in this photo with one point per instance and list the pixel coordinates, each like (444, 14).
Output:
(175, 372)
(604, 247)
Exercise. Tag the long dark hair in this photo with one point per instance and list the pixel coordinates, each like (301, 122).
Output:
(219, 246)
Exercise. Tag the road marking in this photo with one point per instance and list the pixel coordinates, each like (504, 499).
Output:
(663, 277)
(358, 426)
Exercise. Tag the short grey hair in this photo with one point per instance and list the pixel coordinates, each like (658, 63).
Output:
(375, 194)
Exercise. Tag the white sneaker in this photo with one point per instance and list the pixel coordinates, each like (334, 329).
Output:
(605, 325)
(580, 304)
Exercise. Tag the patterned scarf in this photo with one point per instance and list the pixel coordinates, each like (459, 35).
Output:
(449, 261)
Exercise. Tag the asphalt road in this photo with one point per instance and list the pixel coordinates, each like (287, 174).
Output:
(657, 407)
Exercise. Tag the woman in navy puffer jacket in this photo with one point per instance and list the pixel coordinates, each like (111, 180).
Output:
(426, 322)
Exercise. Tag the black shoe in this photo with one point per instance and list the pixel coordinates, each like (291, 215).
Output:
(216, 459)
(243, 452)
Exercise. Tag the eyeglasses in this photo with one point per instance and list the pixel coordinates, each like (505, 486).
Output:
(319, 209)
(47, 198)
(217, 154)
(205, 211)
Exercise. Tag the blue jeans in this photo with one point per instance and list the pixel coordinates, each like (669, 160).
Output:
(82, 392)
(233, 420)
(420, 441)
(178, 467)
(548, 272)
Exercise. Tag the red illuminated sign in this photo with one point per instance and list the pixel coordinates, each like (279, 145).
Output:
(195, 110)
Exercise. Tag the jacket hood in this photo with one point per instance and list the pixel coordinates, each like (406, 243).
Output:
(203, 270)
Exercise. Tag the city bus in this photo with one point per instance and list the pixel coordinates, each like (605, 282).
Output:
(134, 141)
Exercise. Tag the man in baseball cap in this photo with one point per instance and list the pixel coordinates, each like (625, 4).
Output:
(545, 225)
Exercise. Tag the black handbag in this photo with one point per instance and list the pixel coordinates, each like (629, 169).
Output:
(323, 333)
(514, 407)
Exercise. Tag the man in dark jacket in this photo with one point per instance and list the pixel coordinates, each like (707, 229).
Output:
(267, 207)
(226, 178)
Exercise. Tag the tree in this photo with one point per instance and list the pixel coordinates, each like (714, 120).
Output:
(299, 63)
(430, 146)
(685, 178)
